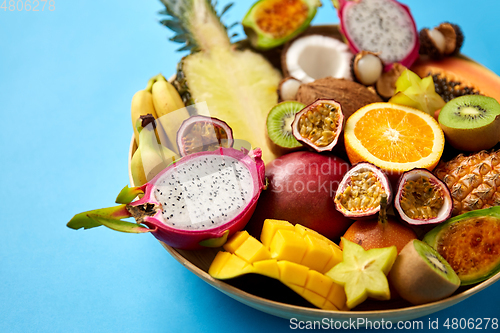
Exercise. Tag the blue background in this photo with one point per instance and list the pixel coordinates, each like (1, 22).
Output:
(66, 81)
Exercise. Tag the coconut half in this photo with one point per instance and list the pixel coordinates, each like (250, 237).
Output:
(315, 57)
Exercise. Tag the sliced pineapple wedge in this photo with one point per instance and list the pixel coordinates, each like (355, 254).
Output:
(239, 87)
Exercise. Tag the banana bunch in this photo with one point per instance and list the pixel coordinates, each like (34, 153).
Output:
(170, 110)
(150, 157)
(157, 113)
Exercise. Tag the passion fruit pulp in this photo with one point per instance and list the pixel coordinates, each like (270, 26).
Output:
(319, 125)
(360, 191)
(421, 198)
(201, 133)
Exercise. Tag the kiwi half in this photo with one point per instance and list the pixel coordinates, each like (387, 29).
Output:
(421, 275)
(279, 126)
(471, 122)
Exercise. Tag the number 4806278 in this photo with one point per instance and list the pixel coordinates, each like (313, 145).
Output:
(27, 5)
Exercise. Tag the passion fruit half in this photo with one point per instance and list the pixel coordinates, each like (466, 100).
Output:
(202, 133)
(319, 125)
(421, 198)
(360, 191)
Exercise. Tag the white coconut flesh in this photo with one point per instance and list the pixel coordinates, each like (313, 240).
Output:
(204, 193)
(380, 26)
(315, 57)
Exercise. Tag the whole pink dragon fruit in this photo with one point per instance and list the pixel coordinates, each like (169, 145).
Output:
(385, 27)
(197, 201)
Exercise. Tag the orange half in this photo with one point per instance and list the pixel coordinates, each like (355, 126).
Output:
(396, 138)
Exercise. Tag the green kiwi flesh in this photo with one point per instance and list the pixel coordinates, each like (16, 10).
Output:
(471, 122)
(279, 124)
(421, 275)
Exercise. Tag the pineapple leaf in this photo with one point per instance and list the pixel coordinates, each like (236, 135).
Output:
(196, 23)
(173, 25)
(181, 38)
(225, 9)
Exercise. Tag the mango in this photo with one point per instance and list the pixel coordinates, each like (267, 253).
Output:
(295, 255)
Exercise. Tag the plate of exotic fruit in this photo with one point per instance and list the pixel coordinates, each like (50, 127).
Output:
(335, 171)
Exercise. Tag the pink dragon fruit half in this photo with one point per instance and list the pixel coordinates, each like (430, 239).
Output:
(385, 27)
(198, 201)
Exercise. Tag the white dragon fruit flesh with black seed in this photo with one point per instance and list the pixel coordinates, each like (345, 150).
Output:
(207, 192)
(385, 27)
(200, 200)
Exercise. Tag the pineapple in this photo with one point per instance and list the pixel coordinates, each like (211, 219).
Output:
(474, 181)
(239, 86)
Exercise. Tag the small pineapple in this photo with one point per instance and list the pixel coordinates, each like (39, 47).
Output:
(239, 86)
(474, 181)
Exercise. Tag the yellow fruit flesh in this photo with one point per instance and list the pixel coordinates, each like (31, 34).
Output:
(292, 257)
(239, 87)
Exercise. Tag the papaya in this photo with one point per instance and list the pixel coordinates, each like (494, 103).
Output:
(470, 243)
(457, 76)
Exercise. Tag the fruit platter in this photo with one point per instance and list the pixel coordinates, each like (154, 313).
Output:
(319, 171)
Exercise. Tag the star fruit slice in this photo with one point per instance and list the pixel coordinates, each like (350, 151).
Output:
(418, 93)
(364, 273)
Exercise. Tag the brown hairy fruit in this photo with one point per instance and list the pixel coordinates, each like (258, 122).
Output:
(351, 95)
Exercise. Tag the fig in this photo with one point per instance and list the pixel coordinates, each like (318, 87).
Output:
(421, 198)
(201, 133)
(360, 191)
(319, 125)
(300, 190)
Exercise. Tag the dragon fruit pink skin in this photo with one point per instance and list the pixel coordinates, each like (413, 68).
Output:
(385, 23)
(184, 183)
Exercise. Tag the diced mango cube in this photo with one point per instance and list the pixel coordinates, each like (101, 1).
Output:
(233, 267)
(270, 227)
(319, 283)
(335, 259)
(337, 296)
(288, 245)
(219, 261)
(252, 250)
(268, 268)
(313, 298)
(318, 253)
(297, 289)
(329, 306)
(235, 241)
(293, 273)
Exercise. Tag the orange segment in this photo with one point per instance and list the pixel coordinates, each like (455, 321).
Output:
(394, 137)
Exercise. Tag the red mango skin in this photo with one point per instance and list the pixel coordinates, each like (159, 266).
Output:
(301, 189)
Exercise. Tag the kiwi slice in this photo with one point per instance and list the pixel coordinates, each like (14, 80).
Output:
(471, 122)
(279, 126)
(421, 275)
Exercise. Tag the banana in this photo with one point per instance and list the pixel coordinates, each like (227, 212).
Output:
(142, 104)
(137, 170)
(170, 110)
(150, 157)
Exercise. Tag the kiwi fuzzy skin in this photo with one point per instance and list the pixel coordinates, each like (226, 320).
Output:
(415, 281)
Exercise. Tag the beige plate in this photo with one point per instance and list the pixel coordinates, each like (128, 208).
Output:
(280, 301)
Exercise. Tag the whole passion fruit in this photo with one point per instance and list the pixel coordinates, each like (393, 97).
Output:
(360, 191)
(319, 125)
(202, 133)
(421, 198)
(301, 187)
